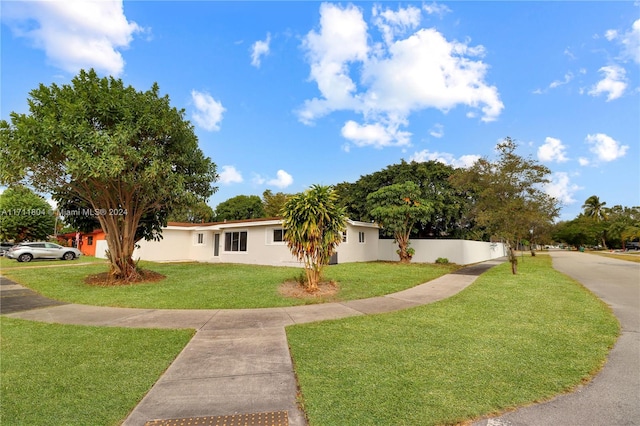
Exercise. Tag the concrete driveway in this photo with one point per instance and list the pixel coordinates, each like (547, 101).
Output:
(612, 398)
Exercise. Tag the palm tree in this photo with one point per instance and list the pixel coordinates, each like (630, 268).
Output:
(594, 208)
(313, 226)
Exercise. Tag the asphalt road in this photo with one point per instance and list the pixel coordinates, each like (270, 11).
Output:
(612, 398)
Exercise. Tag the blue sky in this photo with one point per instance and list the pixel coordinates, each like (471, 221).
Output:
(287, 94)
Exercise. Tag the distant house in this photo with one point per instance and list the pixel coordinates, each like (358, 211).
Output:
(253, 241)
(85, 242)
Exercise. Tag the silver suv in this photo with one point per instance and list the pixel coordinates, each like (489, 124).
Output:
(25, 252)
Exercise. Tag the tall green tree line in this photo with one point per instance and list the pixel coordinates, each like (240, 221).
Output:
(598, 225)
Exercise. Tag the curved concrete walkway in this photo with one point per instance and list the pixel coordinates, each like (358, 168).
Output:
(238, 362)
(612, 398)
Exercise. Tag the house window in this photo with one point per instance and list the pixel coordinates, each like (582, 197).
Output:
(344, 236)
(90, 240)
(361, 237)
(278, 235)
(200, 238)
(235, 241)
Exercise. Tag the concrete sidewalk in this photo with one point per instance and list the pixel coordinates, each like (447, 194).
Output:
(238, 362)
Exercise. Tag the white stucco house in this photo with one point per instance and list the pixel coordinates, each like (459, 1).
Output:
(253, 241)
(261, 242)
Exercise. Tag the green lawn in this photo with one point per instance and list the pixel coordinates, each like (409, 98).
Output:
(217, 286)
(503, 342)
(55, 374)
(633, 256)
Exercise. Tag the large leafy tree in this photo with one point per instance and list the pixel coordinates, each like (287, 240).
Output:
(240, 207)
(313, 225)
(200, 212)
(397, 208)
(578, 232)
(127, 156)
(623, 225)
(24, 215)
(506, 195)
(432, 178)
(273, 203)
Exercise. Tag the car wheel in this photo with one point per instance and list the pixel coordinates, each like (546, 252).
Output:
(69, 256)
(25, 257)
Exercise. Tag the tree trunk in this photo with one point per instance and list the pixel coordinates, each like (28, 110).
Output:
(403, 245)
(514, 261)
(312, 280)
(123, 268)
(120, 235)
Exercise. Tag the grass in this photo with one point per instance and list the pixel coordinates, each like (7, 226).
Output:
(631, 257)
(505, 341)
(55, 374)
(219, 286)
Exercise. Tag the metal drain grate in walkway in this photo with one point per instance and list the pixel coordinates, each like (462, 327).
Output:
(273, 418)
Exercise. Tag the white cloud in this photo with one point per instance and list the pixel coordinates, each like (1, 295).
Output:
(436, 9)
(611, 34)
(75, 34)
(631, 42)
(402, 75)
(552, 150)
(342, 39)
(561, 188)
(394, 23)
(437, 131)
(208, 112)
(427, 71)
(464, 161)
(555, 84)
(282, 180)
(583, 161)
(258, 180)
(230, 175)
(567, 78)
(613, 84)
(567, 52)
(378, 135)
(605, 147)
(259, 49)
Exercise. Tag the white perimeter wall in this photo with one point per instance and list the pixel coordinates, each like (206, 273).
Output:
(462, 252)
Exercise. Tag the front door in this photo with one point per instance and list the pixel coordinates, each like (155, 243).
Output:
(216, 244)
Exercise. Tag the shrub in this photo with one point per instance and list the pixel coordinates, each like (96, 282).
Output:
(301, 278)
(442, 260)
